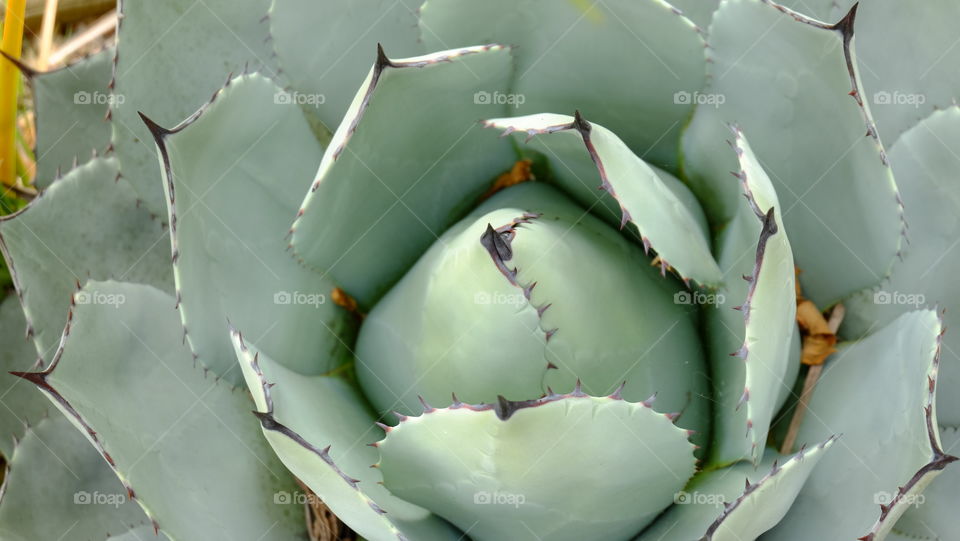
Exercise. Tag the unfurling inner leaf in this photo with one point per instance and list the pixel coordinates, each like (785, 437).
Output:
(531, 292)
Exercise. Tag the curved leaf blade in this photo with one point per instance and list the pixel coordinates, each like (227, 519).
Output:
(927, 160)
(907, 55)
(20, 404)
(662, 220)
(58, 487)
(652, 61)
(749, 389)
(162, 445)
(70, 105)
(323, 48)
(738, 502)
(409, 156)
(87, 225)
(786, 80)
(233, 175)
(217, 36)
(879, 393)
(933, 514)
(492, 469)
(295, 410)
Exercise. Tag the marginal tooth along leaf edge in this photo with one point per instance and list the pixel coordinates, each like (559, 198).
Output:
(845, 27)
(498, 243)
(269, 423)
(940, 459)
(767, 230)
(160, 134)
(381, 64)
(730, 507)
(583, 127)
(40, 380)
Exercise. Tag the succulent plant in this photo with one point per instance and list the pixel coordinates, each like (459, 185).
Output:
(480, 270)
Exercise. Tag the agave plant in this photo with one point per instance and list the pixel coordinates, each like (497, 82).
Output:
(480, 270)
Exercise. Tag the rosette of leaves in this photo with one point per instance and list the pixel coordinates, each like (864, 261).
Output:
(495, 251)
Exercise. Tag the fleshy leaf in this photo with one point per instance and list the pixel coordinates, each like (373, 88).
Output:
(739, 502)
(588, 156)
(183, 445)
(785, 80)
(152, 75)
(927, 162)
(502, 471)
(643, 57)
(58, 487)
(933, 514)
(87, 225)
(407, 161)
(878, 393)
(505, 291)
(908, 58)
(70, 105)
(298, 414)
(19, 402)
(749, 389)
(323, 48)
(233, 174)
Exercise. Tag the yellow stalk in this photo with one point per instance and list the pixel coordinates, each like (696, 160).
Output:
(9, 81)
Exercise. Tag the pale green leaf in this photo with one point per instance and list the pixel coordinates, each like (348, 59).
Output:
(20, 404)
(879, 394)
(933, 514)
(908, 58)
(233, 176)
(739, 502)
(927, 162)
(70, 105)
(173, 55)
(324, 49)
(183, 444)
(461, 319)
(633, 66)
(299, 414)
(586, 156)
(753, 363)
(89, 224)
(504, 471)
(58, 487)
(784, 79)
(409, 159)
